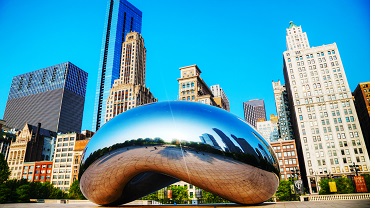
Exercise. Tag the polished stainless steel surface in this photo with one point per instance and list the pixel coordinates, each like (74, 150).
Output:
(149, 147)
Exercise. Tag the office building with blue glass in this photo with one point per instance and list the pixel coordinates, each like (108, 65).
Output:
(121, 18)
(53, 96)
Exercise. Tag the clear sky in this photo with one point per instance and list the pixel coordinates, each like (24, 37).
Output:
(237, 44)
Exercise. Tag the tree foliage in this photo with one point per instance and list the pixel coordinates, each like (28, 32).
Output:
(179, 194)
(343, 185)
(284, 191)
(75, 191)
(4, 169)
(208, 197)
(23, 191)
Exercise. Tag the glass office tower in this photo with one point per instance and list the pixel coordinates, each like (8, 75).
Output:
(121, 18)
(53, 96)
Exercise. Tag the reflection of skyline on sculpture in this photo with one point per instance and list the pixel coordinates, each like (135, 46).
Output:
(152, 146)
(171, 121)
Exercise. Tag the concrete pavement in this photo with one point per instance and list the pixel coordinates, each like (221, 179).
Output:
(307, 204)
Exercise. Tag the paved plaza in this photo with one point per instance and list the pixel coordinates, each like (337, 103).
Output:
(308, 204)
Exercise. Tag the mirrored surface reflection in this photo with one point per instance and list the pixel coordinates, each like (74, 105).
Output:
(155, 145)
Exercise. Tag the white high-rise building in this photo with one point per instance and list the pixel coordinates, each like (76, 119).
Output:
(324, 116)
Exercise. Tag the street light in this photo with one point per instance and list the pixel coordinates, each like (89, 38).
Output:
(329, 175)
(354, 168)
(295, 173)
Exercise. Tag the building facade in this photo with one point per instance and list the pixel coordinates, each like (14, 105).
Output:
(121, 18)
(53, 96)
(30, 146)
(79, 146)
(254, 110)
(191, 86)
(328, 136)
(130, 90)
(362, 105)
(286, 153)
(219, 97)
(40, 171)
(269, 129)
(67, 158)
(283, 111)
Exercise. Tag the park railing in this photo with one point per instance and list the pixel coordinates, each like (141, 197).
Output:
(335, 197)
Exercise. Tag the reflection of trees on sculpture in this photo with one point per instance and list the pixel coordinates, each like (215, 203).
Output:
(180, 196)
(129, 143)
(256, 160)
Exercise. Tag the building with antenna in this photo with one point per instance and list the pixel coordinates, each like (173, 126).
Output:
(121, 18)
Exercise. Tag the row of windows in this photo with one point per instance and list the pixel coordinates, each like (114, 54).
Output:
(188, 98)
(64, 155)
(65, 144)
(60, 182)
(55, 171)
(318, 54)
(37, 177)
(65, 139)
(37, 171)
(64, 149)
(288, 162)
(63, 160)
(286, 154)
(337, 169)
(187, 85)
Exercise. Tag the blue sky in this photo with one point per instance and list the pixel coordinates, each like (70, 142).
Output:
(237, 44)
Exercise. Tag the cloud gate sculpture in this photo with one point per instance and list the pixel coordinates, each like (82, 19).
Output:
(150, 147)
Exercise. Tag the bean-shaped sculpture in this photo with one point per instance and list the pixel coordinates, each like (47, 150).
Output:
(152, 146)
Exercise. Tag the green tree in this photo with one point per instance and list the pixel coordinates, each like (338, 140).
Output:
(57, 194)
(179, 194)
(4, 193)
(12, 186)
(284, 191)
(324, 187)
(75, 191)
(4, 169)
(344, 185)
(208, 197)
(23, 193)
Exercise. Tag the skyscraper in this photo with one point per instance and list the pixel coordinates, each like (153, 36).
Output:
(53, 96)
(130, 90)
(254, 110)
(121, 18)
(328, 136)
(283, 111)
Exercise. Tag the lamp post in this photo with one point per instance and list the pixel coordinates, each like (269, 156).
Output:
(295, 173)
(329, 175)
(354, 168)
